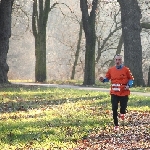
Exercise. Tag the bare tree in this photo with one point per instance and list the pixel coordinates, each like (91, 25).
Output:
(5, 34)
(39, 23)
(131, 29)
(114, 25)
(77, 51)
(90, 36)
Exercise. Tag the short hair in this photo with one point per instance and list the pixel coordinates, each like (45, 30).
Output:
(118, 55)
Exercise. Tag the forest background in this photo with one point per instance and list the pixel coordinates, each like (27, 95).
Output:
(63, 32)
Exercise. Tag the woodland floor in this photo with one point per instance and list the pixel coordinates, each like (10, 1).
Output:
(134, 134)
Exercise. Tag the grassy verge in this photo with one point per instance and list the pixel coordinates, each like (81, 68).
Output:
(53, 118)
(98, 84)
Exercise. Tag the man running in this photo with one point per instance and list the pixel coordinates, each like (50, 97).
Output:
(121, 80)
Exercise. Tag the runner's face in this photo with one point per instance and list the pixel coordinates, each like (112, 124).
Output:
(118, 60)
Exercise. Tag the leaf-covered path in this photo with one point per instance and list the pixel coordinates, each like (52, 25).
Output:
(134, 134)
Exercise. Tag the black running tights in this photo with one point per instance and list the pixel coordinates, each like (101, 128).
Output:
(123, 100)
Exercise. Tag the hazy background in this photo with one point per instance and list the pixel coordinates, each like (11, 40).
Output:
(62, 36)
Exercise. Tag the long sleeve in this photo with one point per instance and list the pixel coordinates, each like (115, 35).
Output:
(108, 75)
(130, 77)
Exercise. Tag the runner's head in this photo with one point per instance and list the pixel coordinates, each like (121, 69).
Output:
(118, 60)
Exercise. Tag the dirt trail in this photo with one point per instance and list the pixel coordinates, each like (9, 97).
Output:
(77, 87)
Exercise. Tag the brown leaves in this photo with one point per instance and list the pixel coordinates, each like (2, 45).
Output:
(134, 135)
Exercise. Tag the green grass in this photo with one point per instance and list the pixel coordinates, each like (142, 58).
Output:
(53, 118)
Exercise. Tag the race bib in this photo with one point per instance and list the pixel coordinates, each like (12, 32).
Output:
(115, 87)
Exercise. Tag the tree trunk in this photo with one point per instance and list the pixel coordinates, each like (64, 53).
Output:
(5, 34)
(89, 72)
(77, 52)
(131, 28)
(119, 47)
(148, 84)
(39, 23)
(90, 36)
(145, 25)
(40, 55)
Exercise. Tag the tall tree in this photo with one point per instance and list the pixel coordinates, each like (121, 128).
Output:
(5, 34)
(39, 23)
(131, 28)
(77, 51)
(90, 36)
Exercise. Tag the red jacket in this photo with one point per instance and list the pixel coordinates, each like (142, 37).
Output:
(119, 79)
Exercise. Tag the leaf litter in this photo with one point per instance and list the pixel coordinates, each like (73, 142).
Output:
(134, 134)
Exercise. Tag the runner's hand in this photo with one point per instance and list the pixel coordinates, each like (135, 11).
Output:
(101, 79)
(126, 87)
